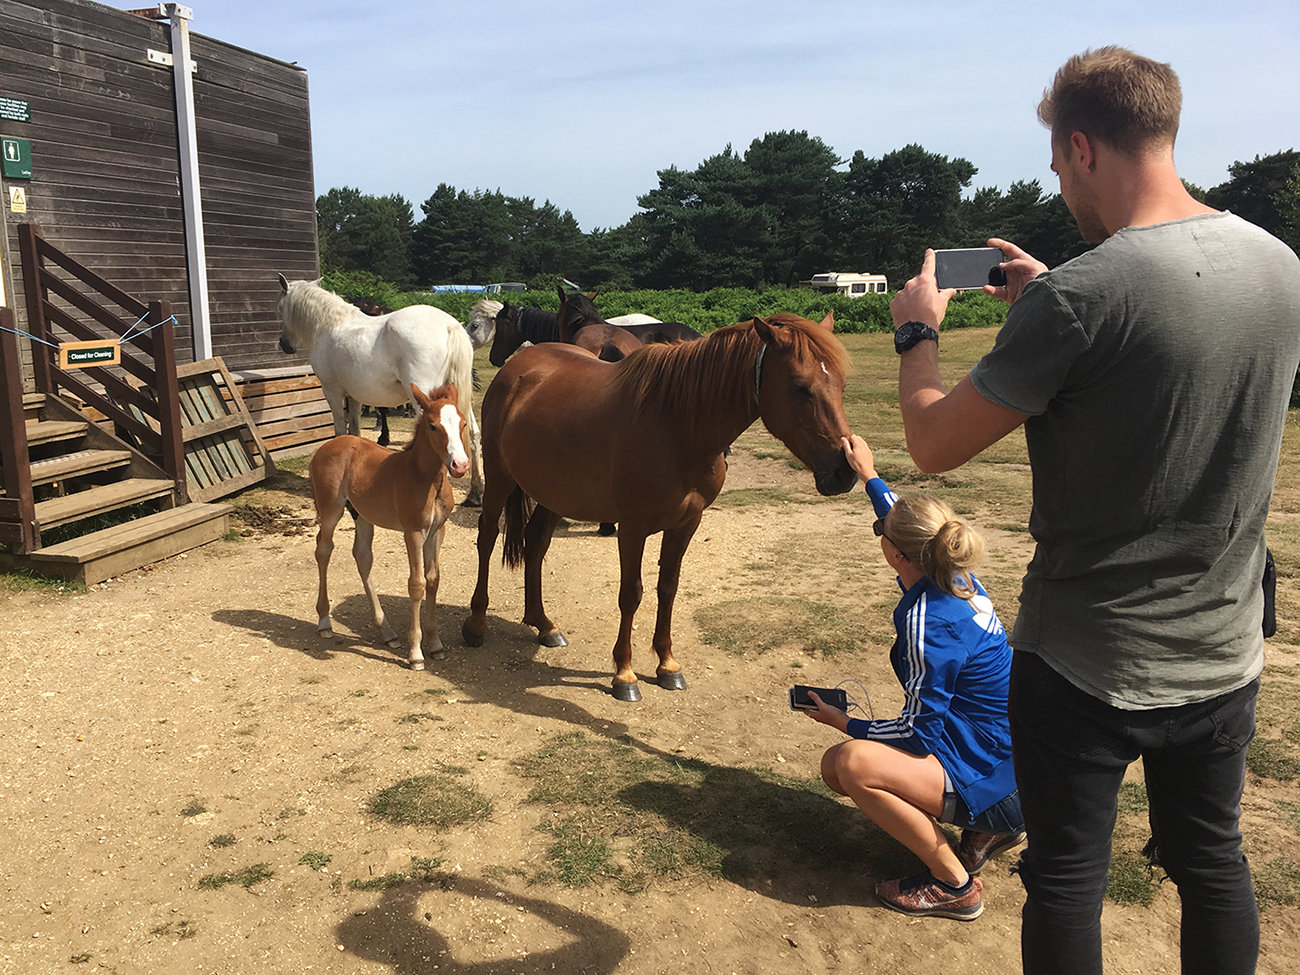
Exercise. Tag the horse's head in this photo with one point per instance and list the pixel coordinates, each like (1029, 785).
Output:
(287, 344)
(442, 423)
(482, 324)
(506, 338)
(576, 310)
(799, 377)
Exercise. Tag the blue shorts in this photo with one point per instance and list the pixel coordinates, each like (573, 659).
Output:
(1001, 817)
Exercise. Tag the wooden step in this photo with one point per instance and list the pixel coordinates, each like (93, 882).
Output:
(49, 431)
(82, 462)
(98, 556)
(33, 403)
(98, 500)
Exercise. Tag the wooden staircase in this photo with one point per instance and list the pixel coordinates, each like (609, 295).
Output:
(59, 471)
(78, 472)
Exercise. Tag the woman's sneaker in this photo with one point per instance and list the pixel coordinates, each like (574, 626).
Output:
(977, 849)
(924, 896)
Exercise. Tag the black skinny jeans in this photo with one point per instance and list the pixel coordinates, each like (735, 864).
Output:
(1070, 752)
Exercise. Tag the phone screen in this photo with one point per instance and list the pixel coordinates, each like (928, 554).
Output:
(968, 268)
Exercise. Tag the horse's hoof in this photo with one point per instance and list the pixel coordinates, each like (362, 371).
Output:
(393, 644)
(472, 501)
(672, 681)
(626, 691)
(471, 638)
(417, 665)
(607, 528)
(553, 639)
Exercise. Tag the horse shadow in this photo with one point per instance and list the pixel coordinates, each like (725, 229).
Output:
(504, 676)
(398, 933)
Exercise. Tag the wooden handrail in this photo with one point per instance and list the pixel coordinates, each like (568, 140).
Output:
(152, 358)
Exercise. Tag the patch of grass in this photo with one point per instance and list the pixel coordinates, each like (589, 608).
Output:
(431, 800)
(1289, 812)
(1132, 798)
(1131, 880)
(80, 958)
(194, 809)
(315, 859)
(422, 868)
(622, 817)
(385, 882)
(222, 840)
(24, 580)
(246, 878)
(756, 624)
(418, 717)
(1273, 759)
(1277, 882)
(183, 929)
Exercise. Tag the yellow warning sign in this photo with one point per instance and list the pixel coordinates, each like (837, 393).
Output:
(17, 199)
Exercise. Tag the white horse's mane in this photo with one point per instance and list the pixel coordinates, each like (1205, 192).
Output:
(312, 308)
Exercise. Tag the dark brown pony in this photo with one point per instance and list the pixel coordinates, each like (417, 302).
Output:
(408, 491)
(578, 313)
(514, 325)
(640, 442)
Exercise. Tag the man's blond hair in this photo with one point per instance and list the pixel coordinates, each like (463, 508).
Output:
(1129, 102)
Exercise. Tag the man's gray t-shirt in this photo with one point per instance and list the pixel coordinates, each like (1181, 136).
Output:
(1157, 369)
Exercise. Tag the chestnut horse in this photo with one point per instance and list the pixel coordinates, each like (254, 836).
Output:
(640, 442)
(408, 491)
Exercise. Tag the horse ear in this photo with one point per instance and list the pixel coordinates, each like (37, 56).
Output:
(828, 322)
(284, 285)
(559, 290)
(423, 401)
(764, 330)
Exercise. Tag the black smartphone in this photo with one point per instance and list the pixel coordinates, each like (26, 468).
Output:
(968, 268)
(834, 696)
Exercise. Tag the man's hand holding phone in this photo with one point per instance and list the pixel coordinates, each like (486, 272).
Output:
(1020, 268)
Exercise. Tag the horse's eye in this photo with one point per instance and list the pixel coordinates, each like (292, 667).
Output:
(803, 390)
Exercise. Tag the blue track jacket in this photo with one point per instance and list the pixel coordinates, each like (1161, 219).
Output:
(952, 657)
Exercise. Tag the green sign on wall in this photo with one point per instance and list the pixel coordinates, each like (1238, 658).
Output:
(17, 154)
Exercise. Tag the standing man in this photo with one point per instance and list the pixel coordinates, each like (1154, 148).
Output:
(1152, 376)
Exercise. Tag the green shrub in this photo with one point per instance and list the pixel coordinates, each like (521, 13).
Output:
(702, 310)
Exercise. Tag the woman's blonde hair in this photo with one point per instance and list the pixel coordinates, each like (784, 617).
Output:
(936, 541)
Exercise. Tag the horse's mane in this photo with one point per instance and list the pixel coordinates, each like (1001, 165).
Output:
(484, 308)
(312, 307)
(538, 325)
(693, 379)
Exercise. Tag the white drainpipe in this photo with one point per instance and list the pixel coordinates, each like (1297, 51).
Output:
(191, 201)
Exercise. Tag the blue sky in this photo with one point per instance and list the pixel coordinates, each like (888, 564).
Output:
(581, 102)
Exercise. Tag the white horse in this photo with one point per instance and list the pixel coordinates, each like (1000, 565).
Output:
(374, 359)
(482, 325)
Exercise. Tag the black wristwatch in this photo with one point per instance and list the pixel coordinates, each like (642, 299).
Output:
(910, 333)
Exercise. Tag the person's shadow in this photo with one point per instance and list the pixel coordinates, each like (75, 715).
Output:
(400, 933)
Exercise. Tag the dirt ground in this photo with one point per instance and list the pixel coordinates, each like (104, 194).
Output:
(193, 700)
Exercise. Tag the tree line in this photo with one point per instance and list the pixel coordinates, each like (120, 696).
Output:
(785, 209)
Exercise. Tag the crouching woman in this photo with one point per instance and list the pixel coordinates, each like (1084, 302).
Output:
(947, 757)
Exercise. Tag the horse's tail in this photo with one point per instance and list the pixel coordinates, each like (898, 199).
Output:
(460, 369)
(519, 508)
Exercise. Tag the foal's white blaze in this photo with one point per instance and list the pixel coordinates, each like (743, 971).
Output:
(457, 459)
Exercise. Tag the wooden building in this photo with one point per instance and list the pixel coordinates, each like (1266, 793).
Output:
(92, 94)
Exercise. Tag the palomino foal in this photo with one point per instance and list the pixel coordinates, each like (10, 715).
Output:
(405, 490)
